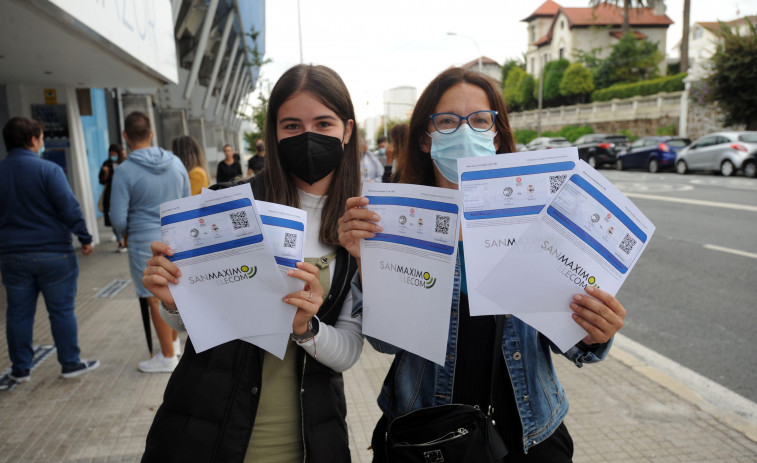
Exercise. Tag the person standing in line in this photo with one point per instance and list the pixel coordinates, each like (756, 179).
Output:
(38, 214)
(394, 151)
(235, 402)
(116, 155)
(189, 152)
(229, 168)
(371, 169)
(462, 114)
(381, 152)
(148, 177)
(257, 162)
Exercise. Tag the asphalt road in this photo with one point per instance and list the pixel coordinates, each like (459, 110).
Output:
(692, 296)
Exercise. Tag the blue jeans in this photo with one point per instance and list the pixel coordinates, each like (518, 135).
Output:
(24, 276)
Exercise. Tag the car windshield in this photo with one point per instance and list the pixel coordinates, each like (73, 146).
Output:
(748, 138)
(680, 143)
(617, 140)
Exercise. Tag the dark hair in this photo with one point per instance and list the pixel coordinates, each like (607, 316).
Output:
(188, 151)
(326, 86)
(417, 165)
(380, 140)
(113, 148)
(18, 132)
(137, 127)
(398, 135)
(224, 146)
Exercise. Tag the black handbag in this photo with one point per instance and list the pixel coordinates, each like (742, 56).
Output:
(447, 433)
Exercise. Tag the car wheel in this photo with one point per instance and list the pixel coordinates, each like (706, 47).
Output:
(750, 169)
(726, 168)
(592, 161)
(653, 166)
(619, 164)
(682, 168)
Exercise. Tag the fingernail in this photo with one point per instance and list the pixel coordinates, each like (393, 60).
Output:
(574, 306)
(285, 299)
(375, 217)
(178, 274)
(379, 228)
(589, 289)
(577, 297)
(290, 272)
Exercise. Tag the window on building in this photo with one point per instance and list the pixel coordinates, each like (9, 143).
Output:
(698, 32)
(533, 33)
(562, 52)
(533, 65)
(562, 25)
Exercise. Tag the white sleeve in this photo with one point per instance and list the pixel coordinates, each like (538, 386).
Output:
(173, 319)
(339, 346)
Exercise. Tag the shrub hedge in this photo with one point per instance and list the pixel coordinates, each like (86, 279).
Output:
(647, 87)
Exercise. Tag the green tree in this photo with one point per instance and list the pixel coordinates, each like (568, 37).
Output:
(577, 83)
(525, 92)
(259, 114)
(732, 82)
(553, 73)
(631, 60)
(510, 91)
(510, 64)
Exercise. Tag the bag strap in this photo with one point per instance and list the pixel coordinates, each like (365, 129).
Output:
(499, 321)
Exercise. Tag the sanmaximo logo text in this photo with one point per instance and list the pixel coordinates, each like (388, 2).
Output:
(569, 268)
(225, 276)
(410, 276)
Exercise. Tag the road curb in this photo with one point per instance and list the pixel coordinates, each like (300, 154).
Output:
(728, 407)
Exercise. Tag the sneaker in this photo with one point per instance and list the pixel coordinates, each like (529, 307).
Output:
(122, 249)
(159, 364)
(177, 347)
(20, 377)
(82, 368)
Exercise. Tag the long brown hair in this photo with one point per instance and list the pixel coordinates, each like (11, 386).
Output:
(188, 150)
(327, 87)
(417, 165)
(398, 137)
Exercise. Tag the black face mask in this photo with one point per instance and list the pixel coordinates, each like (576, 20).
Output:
(311, 156)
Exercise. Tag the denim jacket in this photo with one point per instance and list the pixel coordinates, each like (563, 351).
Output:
(414, 382)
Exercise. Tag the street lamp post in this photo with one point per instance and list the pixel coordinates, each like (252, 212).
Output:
(480, 66)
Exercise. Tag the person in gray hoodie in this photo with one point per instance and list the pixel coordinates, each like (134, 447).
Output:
(149, 176)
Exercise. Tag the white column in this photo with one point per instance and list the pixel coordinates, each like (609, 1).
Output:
(234, 54)
(201, 46)
(79, 165)
(234, 83)
(218, 60)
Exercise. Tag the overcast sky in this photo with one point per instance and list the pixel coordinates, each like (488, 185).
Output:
(376, 45)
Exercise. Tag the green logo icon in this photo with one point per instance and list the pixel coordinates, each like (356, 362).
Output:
(430, 281)
(251, 272)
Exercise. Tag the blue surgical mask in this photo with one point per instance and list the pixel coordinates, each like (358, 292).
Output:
(114, 158)
(382, 151)
(463, 143)
(41, 151)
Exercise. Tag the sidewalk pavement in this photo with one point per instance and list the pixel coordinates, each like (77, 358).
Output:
(622, 410)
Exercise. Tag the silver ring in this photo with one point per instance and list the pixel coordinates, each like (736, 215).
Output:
(311, 296)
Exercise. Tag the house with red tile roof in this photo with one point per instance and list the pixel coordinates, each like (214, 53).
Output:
(488, 66)
(556, 32)
(704, 38)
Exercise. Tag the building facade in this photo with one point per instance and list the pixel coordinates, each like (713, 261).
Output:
(81, 67)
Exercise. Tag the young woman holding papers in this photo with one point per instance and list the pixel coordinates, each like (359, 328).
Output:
(236, 402)
(460, 114)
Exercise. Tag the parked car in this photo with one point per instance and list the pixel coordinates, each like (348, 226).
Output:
(651, 153)
(520, 147)
(600, 149)
(723, 152)
(750, 166)
(545, 143)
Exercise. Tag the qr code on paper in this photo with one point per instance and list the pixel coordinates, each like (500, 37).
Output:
(627, 244)
(239, 220)
(555, 181)
(290, 240)
(442, 224)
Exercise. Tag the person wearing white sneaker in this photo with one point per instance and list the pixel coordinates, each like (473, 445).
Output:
(177, 346)
(159, 364)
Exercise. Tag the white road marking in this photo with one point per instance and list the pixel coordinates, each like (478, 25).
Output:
(695, 202)
(731, 251)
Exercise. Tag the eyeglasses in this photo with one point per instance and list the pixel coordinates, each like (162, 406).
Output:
(480, 121)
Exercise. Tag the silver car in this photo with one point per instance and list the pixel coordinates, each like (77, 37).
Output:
(545, 143)
(723, 152)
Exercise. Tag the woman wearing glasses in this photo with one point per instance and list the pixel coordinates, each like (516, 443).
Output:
(462, 114)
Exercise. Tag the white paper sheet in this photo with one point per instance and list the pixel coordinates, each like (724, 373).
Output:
(502, 196)
(231, 287)
(589, 234)
(284, 227)
(408, 270)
